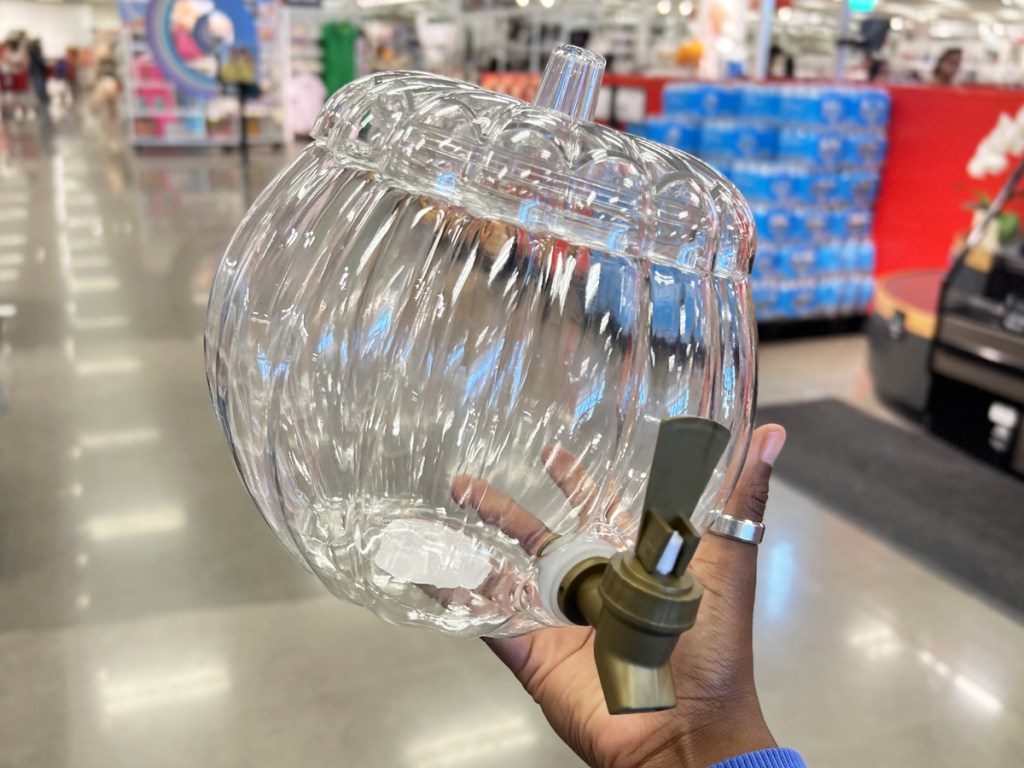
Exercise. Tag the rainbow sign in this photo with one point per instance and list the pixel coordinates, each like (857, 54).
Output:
(160, 31)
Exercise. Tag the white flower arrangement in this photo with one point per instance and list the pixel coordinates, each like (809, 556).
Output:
(993, 154)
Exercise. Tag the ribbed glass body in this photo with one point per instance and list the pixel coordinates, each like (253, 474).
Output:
(452, 302)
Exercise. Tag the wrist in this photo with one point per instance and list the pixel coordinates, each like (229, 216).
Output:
(710, 748)
(739, 732)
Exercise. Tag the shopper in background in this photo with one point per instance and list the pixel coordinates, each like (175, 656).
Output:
(718, 717)
(37, 71)
(15, 54)
(947, 66)
(106, 91)
(878, 69)
(781, 65)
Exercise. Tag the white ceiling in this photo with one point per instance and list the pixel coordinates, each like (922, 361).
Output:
(931, 10)
(982, 11)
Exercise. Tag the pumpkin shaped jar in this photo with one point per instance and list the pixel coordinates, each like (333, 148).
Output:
(452, 326)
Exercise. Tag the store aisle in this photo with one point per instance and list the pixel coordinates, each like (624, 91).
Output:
(149, 617)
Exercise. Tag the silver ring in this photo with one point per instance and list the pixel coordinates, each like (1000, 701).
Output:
(747, 531)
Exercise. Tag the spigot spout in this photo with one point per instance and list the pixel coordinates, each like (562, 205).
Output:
(638, 620)
(639, 603)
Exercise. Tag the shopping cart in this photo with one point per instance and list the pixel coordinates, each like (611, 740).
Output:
(17, 102)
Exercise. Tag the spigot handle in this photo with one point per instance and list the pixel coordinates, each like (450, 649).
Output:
(685, 456)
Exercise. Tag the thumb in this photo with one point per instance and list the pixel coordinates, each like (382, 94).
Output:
(732, 564)
(750, 497)
(514, 653)
(733, 561)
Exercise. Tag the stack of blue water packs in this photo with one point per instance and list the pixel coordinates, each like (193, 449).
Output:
(807, 159)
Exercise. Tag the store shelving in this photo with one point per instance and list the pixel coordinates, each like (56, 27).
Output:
(303, 37)
(303, 64)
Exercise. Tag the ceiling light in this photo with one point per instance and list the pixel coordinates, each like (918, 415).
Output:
(132, 524)
(89, 262)
(99, 323)
(547, 3)
(95, 285)
(122, 693)
(118, 438)
(981, 696)
(383, 3)
(522, 3)
(664, 7)
(685, 8)
(108, 366)
(896, 23)
(472, 745)
(785, 14)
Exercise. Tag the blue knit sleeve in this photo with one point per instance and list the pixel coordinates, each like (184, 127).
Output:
(766, 758)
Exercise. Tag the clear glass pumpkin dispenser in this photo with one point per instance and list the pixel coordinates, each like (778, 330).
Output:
(443, 340)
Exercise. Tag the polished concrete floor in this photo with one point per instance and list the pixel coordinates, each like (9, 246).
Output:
(148, 617)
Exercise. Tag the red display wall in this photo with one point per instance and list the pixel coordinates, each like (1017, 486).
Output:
(932, 135)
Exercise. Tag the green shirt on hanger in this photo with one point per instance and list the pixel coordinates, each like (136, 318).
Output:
(338, 41)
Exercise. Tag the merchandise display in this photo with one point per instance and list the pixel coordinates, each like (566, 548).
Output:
(397, 335)
(306, 97)
(304, 51)
(336, 51)
(264, 116)
(808, 159)
(173, 52)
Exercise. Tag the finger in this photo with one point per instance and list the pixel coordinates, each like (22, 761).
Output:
(496, 508)
(572, 478)
(750, 497)
(481, 597)
(443, 595)
(569, 474)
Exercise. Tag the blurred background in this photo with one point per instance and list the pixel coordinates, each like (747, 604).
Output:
(147, 614)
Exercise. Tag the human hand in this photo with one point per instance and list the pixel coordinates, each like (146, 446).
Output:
(718, 714)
